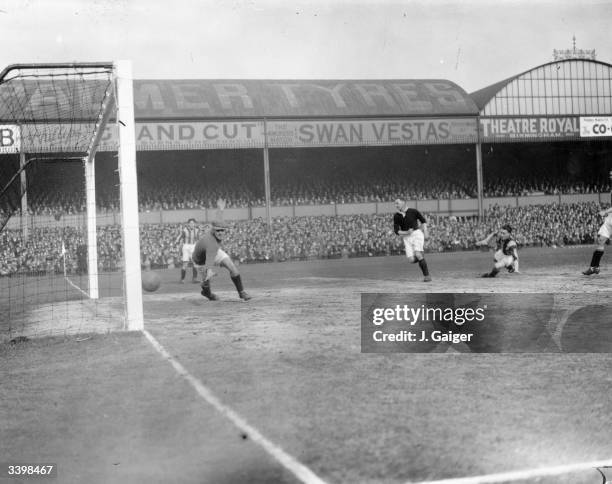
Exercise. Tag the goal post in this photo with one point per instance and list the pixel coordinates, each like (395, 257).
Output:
(70, 264)
(129, 195)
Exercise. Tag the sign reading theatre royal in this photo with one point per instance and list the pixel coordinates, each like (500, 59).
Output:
(529, 128)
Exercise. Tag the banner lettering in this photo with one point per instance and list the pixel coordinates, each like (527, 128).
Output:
(595, 127)
(10, 138)
(371, 132)
(529, 128)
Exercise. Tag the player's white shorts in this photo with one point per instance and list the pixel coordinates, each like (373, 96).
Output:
(221, 255)
(506, 260)
(188, 252)
(605, 230)
(414, 242)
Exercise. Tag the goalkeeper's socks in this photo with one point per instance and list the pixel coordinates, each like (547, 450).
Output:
(206, 292)
(183, 272)
(423, 266)
(596, 258)
(237, 280)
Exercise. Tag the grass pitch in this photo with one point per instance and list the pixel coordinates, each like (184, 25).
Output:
(110, 409)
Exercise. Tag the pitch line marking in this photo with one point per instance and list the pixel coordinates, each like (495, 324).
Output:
(75, 286)
(299, 470)
(524, 474)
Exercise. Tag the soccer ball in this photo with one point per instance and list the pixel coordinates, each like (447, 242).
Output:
(150, 281)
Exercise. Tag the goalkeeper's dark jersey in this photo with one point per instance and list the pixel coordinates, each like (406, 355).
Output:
(407, 220)
(207, 245)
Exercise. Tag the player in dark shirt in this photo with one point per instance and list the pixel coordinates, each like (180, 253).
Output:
(410, 224)
(506, 253)
(207, 252)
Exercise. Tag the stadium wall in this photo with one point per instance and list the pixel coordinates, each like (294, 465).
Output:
(458, 207)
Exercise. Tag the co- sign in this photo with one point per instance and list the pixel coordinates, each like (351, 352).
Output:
(595, 126)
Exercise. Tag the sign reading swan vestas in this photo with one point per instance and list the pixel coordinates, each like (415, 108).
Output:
(373, 132)
(202, 135)
(529, 128)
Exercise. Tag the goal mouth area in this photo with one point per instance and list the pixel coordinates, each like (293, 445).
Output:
(53, 114)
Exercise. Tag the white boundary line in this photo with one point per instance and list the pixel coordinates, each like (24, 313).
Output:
(303, 473)
(75, 286)
(66, 274)
(524, 474)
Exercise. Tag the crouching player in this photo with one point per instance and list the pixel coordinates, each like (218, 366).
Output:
(207, 248)
(506, 254)
(603, 235)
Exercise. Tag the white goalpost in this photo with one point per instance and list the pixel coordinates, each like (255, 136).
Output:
(51, 115)
(129, 195)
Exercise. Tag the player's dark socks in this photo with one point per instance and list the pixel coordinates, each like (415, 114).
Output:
(596, 258)
(206, 292)
(195, 274)
(183, 272)
(493, 273)
(423, 266)
(238, 283)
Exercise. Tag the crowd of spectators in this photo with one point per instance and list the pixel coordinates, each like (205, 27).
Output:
(178, 196)
(197, 181)
(298, 238)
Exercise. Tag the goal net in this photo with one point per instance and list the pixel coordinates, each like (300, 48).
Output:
(69, 244)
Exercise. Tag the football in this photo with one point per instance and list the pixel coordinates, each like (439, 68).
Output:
(150, 281)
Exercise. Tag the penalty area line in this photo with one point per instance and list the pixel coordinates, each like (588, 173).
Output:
(299, 470)
(523, 474)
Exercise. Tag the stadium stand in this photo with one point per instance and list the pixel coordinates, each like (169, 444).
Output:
(298, 238)
(196, 184)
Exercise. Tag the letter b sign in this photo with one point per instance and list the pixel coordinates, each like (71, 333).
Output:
(9, 139)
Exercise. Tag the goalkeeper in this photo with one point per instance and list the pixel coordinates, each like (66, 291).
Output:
(208, 248)
(506, 254)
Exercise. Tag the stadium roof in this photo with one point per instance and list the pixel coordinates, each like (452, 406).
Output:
(219, 99)
(484, 95)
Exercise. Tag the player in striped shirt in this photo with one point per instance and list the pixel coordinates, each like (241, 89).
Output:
(189, 235)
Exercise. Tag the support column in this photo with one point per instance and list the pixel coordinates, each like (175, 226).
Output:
(25, 217)
(479, 181)
(266, 156)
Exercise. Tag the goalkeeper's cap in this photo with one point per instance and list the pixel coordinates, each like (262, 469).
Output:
(219, 226)
(191, 220)
(507, 228)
